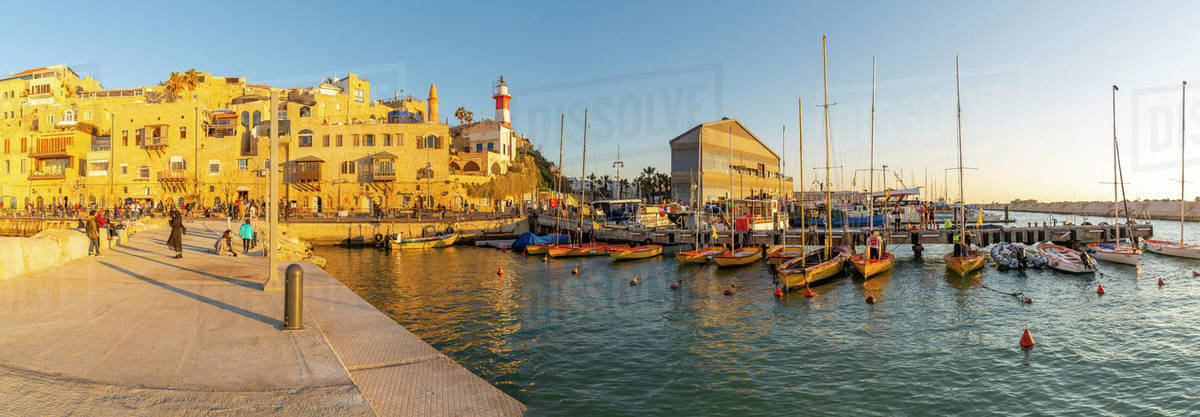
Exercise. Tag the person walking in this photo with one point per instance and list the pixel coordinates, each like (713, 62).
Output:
(92, 227)
(247, 234)
(175, 241)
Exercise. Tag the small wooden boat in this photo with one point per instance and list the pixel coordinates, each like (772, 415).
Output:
(1066, 259)
(439, 241)
(640, 252)
(783, 254)
(1183, 250)
(537, 249)
(587, 249)
(812, 268)
(963, 265)
(700, 256)
(871, 267)
(739, 257)
(1121, 254)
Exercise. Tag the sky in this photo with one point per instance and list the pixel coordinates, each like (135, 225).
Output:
(1036, 77)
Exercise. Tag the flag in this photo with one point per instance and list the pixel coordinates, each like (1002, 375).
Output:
(853, 179)
(595, 225)
(714, 231)
(979, 222)
(887, 194)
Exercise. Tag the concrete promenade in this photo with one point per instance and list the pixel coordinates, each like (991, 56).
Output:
(136, 332)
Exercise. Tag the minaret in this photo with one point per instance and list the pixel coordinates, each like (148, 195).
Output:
(502, 97)
(431, 111)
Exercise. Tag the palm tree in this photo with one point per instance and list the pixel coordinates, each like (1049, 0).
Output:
(604, 188)
(464, 116)
(591, 181)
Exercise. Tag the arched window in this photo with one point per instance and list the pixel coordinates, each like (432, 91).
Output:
(495, 168)
(306, 138)
(471, 166)
(257, 118)
(454, 167)
(305, 111)
(246, 120)
(424, 173)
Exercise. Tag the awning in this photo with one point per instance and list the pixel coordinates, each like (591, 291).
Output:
(243, 188)
(383, 155)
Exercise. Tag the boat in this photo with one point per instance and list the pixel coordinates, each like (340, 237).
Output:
(640, 252)
(439, 241)
(1180, 249)
(700, 256)
(968, 259)
(1066, 259)
(783, 253)
(813, 268)
(1115, 252)
(537, 249)
(1015, 256)
(739, 257)
(862, 262)
(586, 249)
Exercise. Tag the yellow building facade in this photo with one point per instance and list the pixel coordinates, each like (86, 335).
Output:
(202, 139)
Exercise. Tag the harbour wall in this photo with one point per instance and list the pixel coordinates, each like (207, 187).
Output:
(1157, 210)
(356, 232)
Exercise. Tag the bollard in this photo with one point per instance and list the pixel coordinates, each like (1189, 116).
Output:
(293, 308)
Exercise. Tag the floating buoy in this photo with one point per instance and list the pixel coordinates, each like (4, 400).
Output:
(575, 271)
(546, 258)
(870, 299)
(729, 291)
(675, 285)
(524, 254)
(1160, 282)
(1194, 273)
(778, 292)
(1027, 300)
(1026, 339)
(500, 271)
(1099, 289)
(633, 281)
(808, 293)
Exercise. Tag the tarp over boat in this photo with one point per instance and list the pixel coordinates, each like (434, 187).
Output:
(527, 239)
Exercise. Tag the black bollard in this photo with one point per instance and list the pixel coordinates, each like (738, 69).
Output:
(293, 308)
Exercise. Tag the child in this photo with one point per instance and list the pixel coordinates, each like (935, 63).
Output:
(224, 245)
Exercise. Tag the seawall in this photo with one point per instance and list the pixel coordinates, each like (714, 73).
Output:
(330, 232)
(1158, 210)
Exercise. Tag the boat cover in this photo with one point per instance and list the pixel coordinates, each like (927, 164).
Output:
(527, 239)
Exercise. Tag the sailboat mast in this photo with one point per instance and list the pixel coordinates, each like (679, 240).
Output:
(828, 188)
(562, 126)
(871, 171)
(782, 167)
(1116, 207)
(800, 132)
(732, 243)
(1182, 144)
(583, 175)
(696, 208)
(962, 201)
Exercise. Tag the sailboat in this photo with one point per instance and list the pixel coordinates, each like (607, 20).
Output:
(971, 259)
(580, 248)
(784, 251)
(1179, 248)
(863, 262)
(822, 263)
(541, 249)
(736, 256)
(1115, 252)
(699, 255)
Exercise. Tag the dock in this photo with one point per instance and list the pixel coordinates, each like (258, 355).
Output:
(136, 332)
(1072, 235)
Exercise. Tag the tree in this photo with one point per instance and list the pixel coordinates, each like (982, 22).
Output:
(177, 82)
(464, 116)
(604, 186)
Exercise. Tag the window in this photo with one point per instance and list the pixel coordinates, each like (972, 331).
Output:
(325, 141)
(283, 115)
(478, 147)
(356, 142)
(50, 119)
(137, 137)
(214, 166)
(246, 120)
(177, 163)
(183, 132)
(424, 173)
(68, 115)
(143, 172)
(266, 164)
(24, 165)
(243, 164)
(305, 111)
(124, 138)
(348, 167)
(257, 118)
(306, 140)
(368, 140)
(387, 139)
(24, 144)
(87, 115)
(432, 141)
(491, 146)
(6, 142)
(97, 168)
(360, 95)
(124, 169)
(339, 140)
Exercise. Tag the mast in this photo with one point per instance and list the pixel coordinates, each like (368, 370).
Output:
(962, 202)
(562, 126)
(732, 243)
(800, 130)
(828, 187)
(782, 166)
(696, 209)
(871, 182)
(583, 175)
(1182, 143)
(1116, 208)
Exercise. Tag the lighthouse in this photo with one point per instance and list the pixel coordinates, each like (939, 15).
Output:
(502, 97)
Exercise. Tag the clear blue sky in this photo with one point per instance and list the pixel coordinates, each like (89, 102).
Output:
(1036, 75)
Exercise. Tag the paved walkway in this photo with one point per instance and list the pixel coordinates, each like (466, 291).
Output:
(136, 332)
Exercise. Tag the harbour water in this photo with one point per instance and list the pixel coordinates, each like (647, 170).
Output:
(934, 344)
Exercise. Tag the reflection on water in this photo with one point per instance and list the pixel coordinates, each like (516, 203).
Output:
(933, 344)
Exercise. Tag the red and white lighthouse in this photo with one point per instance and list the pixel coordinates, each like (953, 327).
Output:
(502, 97)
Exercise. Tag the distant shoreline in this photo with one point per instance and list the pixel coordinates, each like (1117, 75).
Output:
(1138, 210)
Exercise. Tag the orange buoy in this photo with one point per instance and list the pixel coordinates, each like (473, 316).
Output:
(575, 271)
(778, 292)
(675, 285)
(1099, 289)
(1160, 282)
(729, 291)
(500, 271)
(1026, 339)
(633, 281)
(870, 299)
(524, 254)
(808, 293)
(546, 258)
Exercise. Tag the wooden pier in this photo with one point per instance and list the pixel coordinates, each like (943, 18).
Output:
(1070, 235)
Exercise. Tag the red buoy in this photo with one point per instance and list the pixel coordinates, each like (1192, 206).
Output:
(1160, 282)
(729, 291)
(500, 271)
(778, 292)
(1026, 339)
(524, 254)
(1099, 289)
(633, 281)
(575, 271)
(1194, 273)
(870, 299)
(808, 293)
(674, 285)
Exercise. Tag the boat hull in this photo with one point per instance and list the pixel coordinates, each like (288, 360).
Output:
(871, 267)
(963, 265)
(1172, 248)
(640, 252)
(740, 257)
(1119, 254)
(577, 250)
(1065, 259)
(791, 278)
(430, 243)
(783, 254)
(701, 256)
(537, 249)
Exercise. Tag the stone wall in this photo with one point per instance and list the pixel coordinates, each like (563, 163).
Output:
(342, 232)
(1159, 210)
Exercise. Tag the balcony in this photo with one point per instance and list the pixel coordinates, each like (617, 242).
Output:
(308, 168)
(155, 137)
(383, 166)
(47, 175)
(172, 175)
(55, 147)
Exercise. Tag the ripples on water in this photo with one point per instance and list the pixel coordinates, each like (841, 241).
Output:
(933, 344)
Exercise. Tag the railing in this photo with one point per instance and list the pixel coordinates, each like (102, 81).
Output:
(384, 175)
(131, 92)
(155, 142)
(47, 175)
(172, 175)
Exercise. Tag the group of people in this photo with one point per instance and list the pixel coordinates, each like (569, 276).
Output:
(96, 225)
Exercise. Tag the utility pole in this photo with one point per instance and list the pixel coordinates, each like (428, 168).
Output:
(273, 282)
